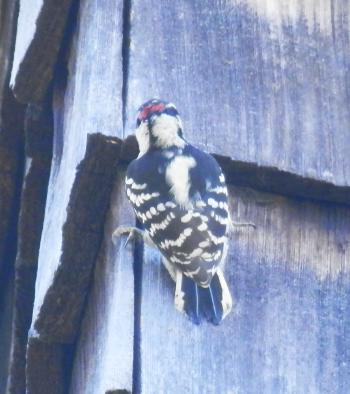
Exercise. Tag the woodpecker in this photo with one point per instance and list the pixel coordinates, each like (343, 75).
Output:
(179, 194)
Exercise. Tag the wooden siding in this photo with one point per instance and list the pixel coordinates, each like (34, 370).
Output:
(266, 89)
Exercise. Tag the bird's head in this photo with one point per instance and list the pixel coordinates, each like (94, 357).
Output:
(158, 125)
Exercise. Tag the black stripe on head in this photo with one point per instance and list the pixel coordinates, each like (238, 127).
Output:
(172, 111)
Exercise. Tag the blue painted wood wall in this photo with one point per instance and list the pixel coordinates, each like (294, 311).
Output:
(260, 81)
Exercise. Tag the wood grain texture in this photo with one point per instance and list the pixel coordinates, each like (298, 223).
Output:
(45, 367)
(11, 161)
(38, 152)
(253, 85)
(270, 82)
(81, 107)
(104, 355)
(82, 233)
(40, 30)
(289, 330)
(6, 305)
(85, 103)
(11, 172)
(8, 18)
(11, 136)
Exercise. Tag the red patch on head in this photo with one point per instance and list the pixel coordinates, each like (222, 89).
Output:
(144, 114)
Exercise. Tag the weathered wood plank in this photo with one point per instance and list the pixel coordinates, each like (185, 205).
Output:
(45, 367)
(11, 161)
(104, 355)
(40, 31)
(58, 320)
(11, 133)
(288, 332)
(270, 82)
(273, 272)
(83, 104)
(38, 151)
(8, 18)
(6, 305)
(60, 313)
(96, 108)
(11, 169)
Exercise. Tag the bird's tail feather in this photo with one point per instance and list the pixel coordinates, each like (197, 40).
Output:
(212, 303)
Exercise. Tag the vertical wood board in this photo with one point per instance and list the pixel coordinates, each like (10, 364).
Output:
(40, 31)
(104, 356)
(271, 82)
(289, 329)
(87, 105)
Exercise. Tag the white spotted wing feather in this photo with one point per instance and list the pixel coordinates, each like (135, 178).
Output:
(180, 197)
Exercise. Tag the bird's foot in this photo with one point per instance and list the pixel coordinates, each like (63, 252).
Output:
(131, 232)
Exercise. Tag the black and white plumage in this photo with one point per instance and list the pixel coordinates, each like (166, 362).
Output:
(179, 194)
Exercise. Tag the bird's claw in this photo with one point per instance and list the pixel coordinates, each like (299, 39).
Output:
(129, 238)
(131, 233)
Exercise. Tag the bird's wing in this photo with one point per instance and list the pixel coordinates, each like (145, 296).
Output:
(183, 207)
